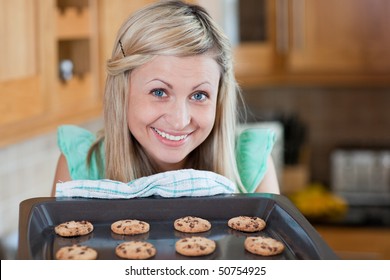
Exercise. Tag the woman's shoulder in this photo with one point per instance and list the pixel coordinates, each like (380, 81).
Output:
(73, 133)
(73, 139)
(74, 143)
(253, 148)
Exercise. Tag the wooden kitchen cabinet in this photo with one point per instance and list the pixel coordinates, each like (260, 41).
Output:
(21, 73)
(357, 243)
(256, 60)
(331, 42)
(38, 35)
(339, 37)
(318, 42)
(76, 40)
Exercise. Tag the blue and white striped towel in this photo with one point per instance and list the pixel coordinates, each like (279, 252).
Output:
(184, 182)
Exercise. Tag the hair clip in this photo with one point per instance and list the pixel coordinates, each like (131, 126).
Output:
(123, 52)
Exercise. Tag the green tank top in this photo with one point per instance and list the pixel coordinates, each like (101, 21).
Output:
(253, 147)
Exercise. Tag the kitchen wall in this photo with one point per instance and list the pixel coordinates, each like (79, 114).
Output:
(334, 117)
(26, 171)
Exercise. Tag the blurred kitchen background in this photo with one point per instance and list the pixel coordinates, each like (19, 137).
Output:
(318, 71)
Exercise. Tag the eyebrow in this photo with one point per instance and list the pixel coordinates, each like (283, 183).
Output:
(171, 87)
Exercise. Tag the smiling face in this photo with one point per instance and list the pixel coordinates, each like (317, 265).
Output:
(172, 106)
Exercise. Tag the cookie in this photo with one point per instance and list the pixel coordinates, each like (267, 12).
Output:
(76, 252)
(192, 224)
(264, 246)
(195, 246)
(130, 227)
(135, 250)
(246, 223)
(73, 228)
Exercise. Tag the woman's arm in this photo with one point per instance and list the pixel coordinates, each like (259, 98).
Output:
(62, 173)
(269, 184)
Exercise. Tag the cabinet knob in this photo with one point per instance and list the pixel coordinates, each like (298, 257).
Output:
(66, 69)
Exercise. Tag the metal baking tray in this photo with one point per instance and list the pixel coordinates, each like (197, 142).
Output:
(38, 216)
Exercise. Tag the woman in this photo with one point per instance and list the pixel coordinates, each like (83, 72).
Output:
(170, 103)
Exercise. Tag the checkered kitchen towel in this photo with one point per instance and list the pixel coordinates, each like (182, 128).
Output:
(185, 182)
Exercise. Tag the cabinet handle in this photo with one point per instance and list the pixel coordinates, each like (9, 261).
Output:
(290, 12)
(298, 24)
(282, 26)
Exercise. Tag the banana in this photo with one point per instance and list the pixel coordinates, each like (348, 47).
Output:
(315, 202)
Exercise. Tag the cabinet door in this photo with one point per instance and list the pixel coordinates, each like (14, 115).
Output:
(348, 36)
(250, 26)
(20, 73)
(76, 90)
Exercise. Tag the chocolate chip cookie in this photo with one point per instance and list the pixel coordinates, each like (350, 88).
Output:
(195, 246)
(247, 224)
(73, 228)
(130, 227)
(135, 250)
(264, 246)
(191, 224)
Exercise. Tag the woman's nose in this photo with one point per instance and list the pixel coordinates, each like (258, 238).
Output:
(178, 115)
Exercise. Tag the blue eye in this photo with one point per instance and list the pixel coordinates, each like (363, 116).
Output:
(158, 92)
(199, 96)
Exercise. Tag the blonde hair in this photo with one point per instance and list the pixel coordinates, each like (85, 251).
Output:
(178, 29)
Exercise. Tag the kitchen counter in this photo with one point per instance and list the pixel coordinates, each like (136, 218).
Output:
(357, 242)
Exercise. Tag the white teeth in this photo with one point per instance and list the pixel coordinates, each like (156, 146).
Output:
(170, 137)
